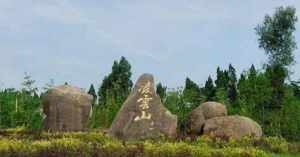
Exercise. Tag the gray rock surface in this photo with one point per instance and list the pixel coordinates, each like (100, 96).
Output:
(234, 127)
(143, 115)
(203, 112)
(66, 108)
(212, 109)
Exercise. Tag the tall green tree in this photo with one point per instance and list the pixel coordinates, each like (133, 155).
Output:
(92, 92)
(117, 85)
(232, 73)
(175, 104)
(277, 74)
(252, 72)
(209, 89)
(191, 93)
(219, 80)
(222, 79)
(276, 37)
(222, 85)
(252, 82)
(28, 109)
(113, 91)
(7, 107)
(241, 82)
(232, 89)
(161, 91)
(125, 76)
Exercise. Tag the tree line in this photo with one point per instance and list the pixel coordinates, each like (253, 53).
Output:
(265, 94)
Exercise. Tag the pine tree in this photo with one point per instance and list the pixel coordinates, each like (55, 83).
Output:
(103, 90)
(114, 89)
(219, 79)
(222, 79)
(209, 89)
(117, 85)
(226, 78)
(232, 73)
(191, 93)
(241, 82)
(232, 89)
(125, 77)
(92, 92)
(252, 82)
(252, 73)
(161, 91)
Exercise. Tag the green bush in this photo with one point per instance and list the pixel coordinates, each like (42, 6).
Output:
(25, 143)
(274, 144)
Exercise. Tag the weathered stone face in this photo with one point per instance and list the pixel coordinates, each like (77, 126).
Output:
(196, 121)
(212, 109)
(232, 127)
(66, 108)
(143, 115)
(203, 112)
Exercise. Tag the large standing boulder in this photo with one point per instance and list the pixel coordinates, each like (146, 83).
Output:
(199, 115)
(66, 108)
(234, 127)
(143, 115)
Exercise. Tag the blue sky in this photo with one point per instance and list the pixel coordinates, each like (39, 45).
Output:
(76, 40)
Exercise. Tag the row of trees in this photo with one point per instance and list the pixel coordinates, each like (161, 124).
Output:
(265, 95)
(20, 107)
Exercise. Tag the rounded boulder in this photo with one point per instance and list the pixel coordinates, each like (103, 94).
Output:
(234, 127)
(199, 115)
(212, 109)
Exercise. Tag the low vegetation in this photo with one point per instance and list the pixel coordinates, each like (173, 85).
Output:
(95, 143)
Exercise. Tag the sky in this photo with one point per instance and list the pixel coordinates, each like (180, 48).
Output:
(76, 41)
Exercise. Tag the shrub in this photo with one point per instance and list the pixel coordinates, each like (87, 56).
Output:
(274, 144)
(21, 143)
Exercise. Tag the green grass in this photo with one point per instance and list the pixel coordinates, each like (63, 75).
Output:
(286, 155)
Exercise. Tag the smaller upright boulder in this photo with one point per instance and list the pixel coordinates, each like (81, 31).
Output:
(203, 112)
(234, 127)
(66, 108)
